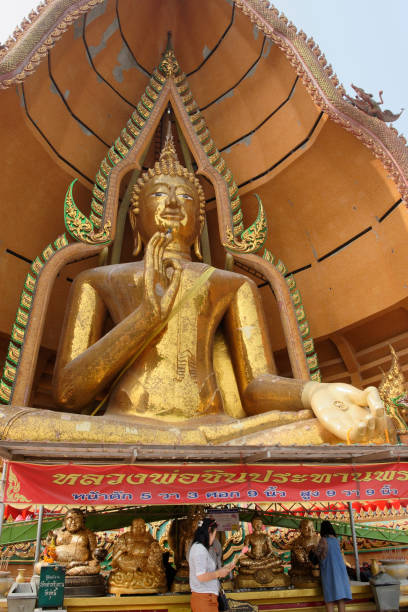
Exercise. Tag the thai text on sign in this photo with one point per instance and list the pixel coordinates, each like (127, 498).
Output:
(168, 484)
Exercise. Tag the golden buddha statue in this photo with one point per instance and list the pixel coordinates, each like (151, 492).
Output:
(137, 562)
(188, 359)
(181, 536)
(261, 565)
(74, 546)
(303, 573)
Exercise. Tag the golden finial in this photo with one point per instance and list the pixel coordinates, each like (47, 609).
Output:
(169, 64)
(392, 383)
(168, 153)
(392, 388)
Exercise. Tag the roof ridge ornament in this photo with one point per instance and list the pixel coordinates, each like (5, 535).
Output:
(394, 393)
(368, 104)
(169, 64)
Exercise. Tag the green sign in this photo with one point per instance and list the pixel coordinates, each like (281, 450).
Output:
(51, 589)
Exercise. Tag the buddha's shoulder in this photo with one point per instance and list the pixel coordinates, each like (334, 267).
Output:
(222, 276)
(123, 270)
(124, 538)
(114, 270)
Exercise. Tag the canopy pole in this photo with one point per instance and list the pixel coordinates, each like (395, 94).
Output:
(39, 530)
(353, 535)
(2, 491)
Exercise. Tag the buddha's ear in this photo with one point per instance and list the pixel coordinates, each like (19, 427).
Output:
(132, 219)
(138, 244)
(197, 249)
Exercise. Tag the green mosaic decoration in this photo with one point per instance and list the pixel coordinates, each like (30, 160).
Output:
(23, 318)
(308, 343)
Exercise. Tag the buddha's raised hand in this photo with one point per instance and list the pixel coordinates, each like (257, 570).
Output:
(349, 413)
(160, 290)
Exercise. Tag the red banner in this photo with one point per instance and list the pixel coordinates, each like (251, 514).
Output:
(118, 485)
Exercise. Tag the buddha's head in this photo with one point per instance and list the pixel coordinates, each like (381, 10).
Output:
(169, 199)
(138, 527)
(74, 520)
(257, 524)
(307, 528)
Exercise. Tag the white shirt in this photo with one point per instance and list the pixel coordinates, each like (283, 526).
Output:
(201, 562)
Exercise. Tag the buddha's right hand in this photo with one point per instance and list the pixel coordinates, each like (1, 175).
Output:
(159, 290)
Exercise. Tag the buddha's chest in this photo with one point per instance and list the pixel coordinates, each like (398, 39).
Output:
(123, 292)
(73, 539)
(258, 544)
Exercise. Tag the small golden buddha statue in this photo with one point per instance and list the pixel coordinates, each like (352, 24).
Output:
(137, 562)
(261, 565)
(303, 573)
(170, 315)
(73, 546)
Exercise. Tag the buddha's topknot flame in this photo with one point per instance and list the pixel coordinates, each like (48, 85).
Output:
(169, 165)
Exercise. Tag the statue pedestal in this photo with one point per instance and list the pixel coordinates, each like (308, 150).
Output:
(261, 578)
(181, 582)
(180, 585)
(305, 583)
(134, 591)
(85, 586)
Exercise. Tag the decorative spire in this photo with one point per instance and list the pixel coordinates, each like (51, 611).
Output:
(393, 382)
(169, 64)
(168, 153)
(393, 393)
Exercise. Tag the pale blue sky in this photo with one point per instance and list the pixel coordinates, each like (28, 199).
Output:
(366, 41)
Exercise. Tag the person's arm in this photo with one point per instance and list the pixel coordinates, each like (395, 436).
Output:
(219, 573)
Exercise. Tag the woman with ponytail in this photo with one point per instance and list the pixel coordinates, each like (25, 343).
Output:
(204, 575)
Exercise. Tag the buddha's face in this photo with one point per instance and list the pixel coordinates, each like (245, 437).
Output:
(73, 522)
(307, 529)
(138, 527)
(257, 524)
(169, 203)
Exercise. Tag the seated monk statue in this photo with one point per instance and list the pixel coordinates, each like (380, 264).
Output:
(261, 565)
(75, 546)
(303, 573)
(157, 359)
(137, 562)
